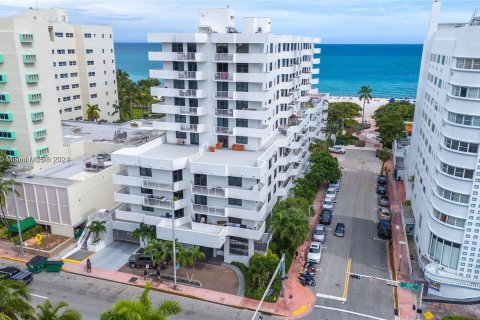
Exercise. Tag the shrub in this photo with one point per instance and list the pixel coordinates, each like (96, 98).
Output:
(32, 232)
(455, 318)
(4, 233)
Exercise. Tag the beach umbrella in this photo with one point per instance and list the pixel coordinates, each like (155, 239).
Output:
(392, 100)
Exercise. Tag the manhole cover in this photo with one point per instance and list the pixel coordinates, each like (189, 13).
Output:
(133, 279)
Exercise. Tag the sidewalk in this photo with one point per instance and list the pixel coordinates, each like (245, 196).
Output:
(406, 299)
(297, 302)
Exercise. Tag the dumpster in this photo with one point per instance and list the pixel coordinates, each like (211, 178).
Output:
(36, 264)
(54, 266)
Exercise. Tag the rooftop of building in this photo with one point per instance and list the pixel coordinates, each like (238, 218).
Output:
(130, 133)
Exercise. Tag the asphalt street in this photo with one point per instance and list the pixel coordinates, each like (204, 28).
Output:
(338, 296)
(92, 296)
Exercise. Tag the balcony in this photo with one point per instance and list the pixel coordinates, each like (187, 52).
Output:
(208, 191)
(25, 37)
(175, 126)
(241, 131)
(122, 178)
(172, 92)
(173, 74)
(243, 231)
(255, 213)
(434, 273)
(193, 233)
(176, 56)
(223, 57)
(188, 93)
(224, 95)
(223, 76)
(251, 114)
(224, 130)
(240, 77)
(240, 57)
(208, 210)
(224, 113)
(254, 193)
(172, 109)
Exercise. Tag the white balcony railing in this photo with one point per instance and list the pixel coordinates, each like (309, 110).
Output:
(434, 273)
(224, 112)
(204, 209)
(224, 130)
(208, 191)
(157, 185)
(187, 93)
(187, 75)
(223, 57)
(223, 76)
(224, 94)
(158, 202)
(186, 56)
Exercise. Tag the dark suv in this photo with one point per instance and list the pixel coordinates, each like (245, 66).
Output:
(138, 260)
(326, 217)
(382, 179)
(384, 229)
(14, 273)
(382, 189)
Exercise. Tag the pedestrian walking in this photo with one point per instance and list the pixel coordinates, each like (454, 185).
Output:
(301, 256)
(296, 256)
(89, 266)
(145, 274)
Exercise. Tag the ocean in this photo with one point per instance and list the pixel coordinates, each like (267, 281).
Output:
(390, 70)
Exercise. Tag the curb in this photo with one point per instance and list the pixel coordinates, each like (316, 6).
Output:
(179, 293)
(13, 259)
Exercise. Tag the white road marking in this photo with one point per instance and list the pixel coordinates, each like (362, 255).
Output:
(36, 295)
(378, 239)
(327, 296)
(351, 312)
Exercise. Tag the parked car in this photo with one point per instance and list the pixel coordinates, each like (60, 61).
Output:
(337, 149)
(331, 193)
(139, 260)
(383, 200)
(319, 233)
(14, 273)
(328, 204)
(326, 217)
(384, 229)
(382, 189)
(334, 184)
(340, 230)
(384, 214)
(382, 179)
(315, 252)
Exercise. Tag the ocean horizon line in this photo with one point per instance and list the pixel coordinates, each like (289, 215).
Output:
(321, 43)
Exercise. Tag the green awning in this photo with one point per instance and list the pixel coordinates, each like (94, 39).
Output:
(25, 224)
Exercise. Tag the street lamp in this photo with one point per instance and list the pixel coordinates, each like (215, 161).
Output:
(12, 186)
(174, 253)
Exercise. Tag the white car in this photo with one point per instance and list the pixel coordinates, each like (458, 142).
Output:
(331, 193)
(337, 149)
(328, 204)
(335, 185)
(319, 234)
(315, 252)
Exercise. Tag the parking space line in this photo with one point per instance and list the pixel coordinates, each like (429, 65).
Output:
(351, 312)
(36, 295)
(347, 279)
(327, 296)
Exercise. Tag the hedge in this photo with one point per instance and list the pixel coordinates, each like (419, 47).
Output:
(32, 232)
(456, 318)
(254, 292)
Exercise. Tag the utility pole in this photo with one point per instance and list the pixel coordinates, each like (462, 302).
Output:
(174, 253)
(17, 215)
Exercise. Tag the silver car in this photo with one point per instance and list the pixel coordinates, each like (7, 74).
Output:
(315, 252)
(319, 234)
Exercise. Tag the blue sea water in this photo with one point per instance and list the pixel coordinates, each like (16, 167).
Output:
(390, 70)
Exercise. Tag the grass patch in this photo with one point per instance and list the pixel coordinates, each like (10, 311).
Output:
(456, 318)
(254, 292)
(32, 232)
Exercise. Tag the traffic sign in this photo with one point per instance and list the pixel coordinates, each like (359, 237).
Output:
(410, 286)
(428, 315)
(391, 283)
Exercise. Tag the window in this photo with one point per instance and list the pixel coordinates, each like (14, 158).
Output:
(222, 48)
(177, 175)
(75, 85)
(145, 208)
(235, 202)
(242, 86)
(235, 182)
(64, 75)
(59, 34)
(146, 191)
(66, 98)
(71, 51)
(178, 66)
(453, 196)
(242, 67)
(179, 84)
(72, 63)
(91, 74)
(178, 195)
(242, 48)
(145, 172)
(69, 35)
(180, 135)
(179, 101)
(66, 87)
(242, 140)
(90, 63)
(464, 63)
(191, 47)
(78, 108)
(242, 105)
(92, 85)
(466, 92)
(457, 172)
(194, 138)
(461, 146)
(243, 123)
(74, 74)
(200, 180)
(443, 251)
(179, 213)
(197, 199)
(463, 119)
(87, 35)
(76, 97)
(177, 47)
(179, 118)
(454, 221)
(93, 95)
(8, 135)
(88, 51)
(61, 51)
(6, 116)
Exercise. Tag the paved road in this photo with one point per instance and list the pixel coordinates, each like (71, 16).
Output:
(340, 297)
(93, 296)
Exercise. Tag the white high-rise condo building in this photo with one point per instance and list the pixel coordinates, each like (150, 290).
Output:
(49, 71)
(443, 160)
(239, 119)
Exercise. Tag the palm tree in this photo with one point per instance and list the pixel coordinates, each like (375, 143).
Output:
(5, 190)
(142, 308)
(184, 257)
(14, 301)
(196, 255)
(290, 227)
(97, 227)
(384, 155)
(144, 233)
(364, 94)
(123, 111)
(93, 112)
(159, 252)
(318, 144)
(49, 312)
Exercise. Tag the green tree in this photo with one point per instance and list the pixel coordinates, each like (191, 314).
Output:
(384, 155)
(365, 94)
(339, 111)
(290, 228)
(124, 112)
(262, 267)
(4, 162)
(323, 167)
(318, 144)
(406, 109)
(97, 227)
(5, 191)
(196, 254)
(93, 112)
(111, 315)
(159, 252)
(185, 259)
(144, 233)
(14, 301)
(143, 309)
(49, 312)
(305, 188)
(292, 202)
(145, 97)
(390, 125)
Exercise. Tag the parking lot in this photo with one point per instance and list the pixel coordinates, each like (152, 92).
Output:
(360, 251)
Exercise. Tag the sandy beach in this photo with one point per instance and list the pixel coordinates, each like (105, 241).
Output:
(370, 108)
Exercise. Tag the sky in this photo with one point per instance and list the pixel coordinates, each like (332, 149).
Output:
(334, 21)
